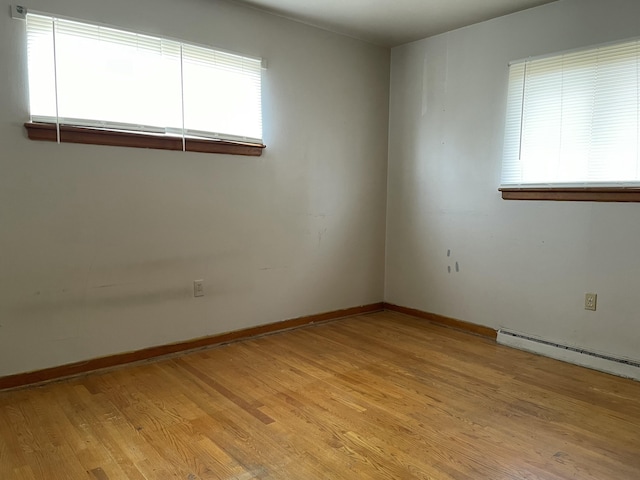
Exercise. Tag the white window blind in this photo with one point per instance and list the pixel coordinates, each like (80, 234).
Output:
(89, 75)
(574, 119)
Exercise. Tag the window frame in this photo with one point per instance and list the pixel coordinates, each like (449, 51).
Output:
(582, 191)
(57, 131)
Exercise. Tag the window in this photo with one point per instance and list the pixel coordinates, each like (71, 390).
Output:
(573, 126)
(94, 84)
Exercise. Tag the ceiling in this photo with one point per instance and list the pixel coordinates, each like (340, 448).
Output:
(392, 22)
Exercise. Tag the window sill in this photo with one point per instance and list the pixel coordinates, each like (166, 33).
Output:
(586, 194)
(96, 136)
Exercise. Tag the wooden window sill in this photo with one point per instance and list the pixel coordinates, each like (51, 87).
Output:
(96, 136)
(586, 194)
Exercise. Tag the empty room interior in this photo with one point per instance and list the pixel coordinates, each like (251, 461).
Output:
(405, 247)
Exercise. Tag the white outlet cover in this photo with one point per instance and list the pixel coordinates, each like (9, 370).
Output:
(590, 301)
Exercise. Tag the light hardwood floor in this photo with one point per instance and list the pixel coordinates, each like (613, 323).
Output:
(378, 396)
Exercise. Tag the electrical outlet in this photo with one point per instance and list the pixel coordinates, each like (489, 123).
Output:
(198, 288)
(590, 300)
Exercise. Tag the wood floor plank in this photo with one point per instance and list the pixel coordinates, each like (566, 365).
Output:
(370, 397)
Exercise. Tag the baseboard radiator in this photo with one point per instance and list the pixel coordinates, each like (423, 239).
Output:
(622, 367)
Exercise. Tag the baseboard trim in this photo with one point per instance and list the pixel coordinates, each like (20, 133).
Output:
(118, 359)
(446, 321)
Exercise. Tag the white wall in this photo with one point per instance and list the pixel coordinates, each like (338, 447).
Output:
(523, 265)
(99, 245)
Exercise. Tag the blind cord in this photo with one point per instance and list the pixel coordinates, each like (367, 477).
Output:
(184, 141)
(55, 80)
